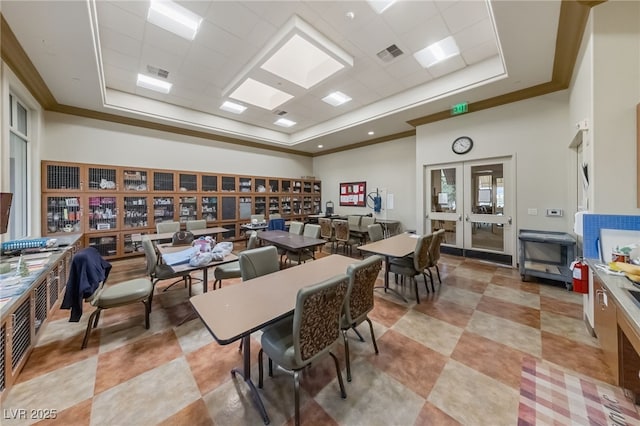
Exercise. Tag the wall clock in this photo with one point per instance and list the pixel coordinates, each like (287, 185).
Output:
(462, 145)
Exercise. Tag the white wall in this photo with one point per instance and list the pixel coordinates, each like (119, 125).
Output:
(388, 166)
(616, 88)
(534, 132)
(71, 138)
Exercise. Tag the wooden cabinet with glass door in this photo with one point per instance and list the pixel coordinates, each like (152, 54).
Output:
(62, 177)
(102, 212)
(135, 180)
(135, 211)
(102, 178)
(187, 208)
(62, 214)
(209, 208)
(163, 209)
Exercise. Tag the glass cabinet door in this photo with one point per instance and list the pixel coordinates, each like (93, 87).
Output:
(163, 181)
(296, 186)
(107, 245)
(64, 214)
(317, 205)
(260, 205)
(188, 182)
(285, 205)
(296, 205)
(135, 180)
(163, 208)
(228, 183)
(228, 208)
(274, 205)
(102, 213)
(209, 183)
(209, 208)
(136, 212)
(132, 242)
(307, 206)
(188, 209)
(245, 207)
(286, 185)
(60, 177)
(317, 186)
(244, 184)
(102, 179)
(260, 185)
(274, 185)
(307, 187)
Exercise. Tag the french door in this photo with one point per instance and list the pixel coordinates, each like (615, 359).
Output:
(473, 201)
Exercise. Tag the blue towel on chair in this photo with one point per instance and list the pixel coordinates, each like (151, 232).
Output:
(276, 225)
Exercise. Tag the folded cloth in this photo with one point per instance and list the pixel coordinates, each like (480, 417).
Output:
(88, 270)
(179, 257)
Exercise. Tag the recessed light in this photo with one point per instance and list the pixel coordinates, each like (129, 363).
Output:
(284, 122)
(320, 146)
(437, 52)
(336, 98)
(153, 84)
(259, 94)
(233, 107)
(371, 133)
(174, 18)
(380, 5)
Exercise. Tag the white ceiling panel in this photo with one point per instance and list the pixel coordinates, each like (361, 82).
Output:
(57, 36)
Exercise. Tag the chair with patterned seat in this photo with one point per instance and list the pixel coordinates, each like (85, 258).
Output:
(343, 236)
(327, 232)
(359, 301)
(434, 255)
(312, 231)
(311, 333)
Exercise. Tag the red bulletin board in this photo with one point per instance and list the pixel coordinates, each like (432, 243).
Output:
(353, 194)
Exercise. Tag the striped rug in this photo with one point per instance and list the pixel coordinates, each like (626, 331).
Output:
(550, 396)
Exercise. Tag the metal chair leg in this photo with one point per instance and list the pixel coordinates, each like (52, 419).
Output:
(438, 271)
(260, 366)
(147, 311)
(343, 393)
(88, 330)
(347, 360)
(296, 396)
(358, 334)
(373, 336)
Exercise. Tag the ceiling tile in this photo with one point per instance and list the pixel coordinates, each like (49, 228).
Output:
(447, 66)
(481, 52)
(432, 31)
(464, 14)
(119, 60)
(405, 16)
(232, 17)
(120, 20)
(111, 39)
(474, 35)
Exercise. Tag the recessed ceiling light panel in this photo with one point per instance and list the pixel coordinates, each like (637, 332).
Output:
(336, 99)
(437, 52)
(153, 84)
(380, 5)
(284, 122)
(259, 94)
(174, 18)
(233, 107)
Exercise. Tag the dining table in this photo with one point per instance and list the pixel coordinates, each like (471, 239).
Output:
(290, 242)
(234, 312)
(400, 245)
(169, 235)
(169, 248)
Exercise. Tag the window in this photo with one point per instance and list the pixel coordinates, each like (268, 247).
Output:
(18, 140)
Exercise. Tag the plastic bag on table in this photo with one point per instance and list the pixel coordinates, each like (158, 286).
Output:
(201, 259)
(224, 248)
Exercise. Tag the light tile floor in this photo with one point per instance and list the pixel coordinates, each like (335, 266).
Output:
(455, 358)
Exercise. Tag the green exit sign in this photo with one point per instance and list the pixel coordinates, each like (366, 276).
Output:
(460, 108)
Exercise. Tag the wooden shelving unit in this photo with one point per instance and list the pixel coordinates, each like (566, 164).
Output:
(110, 204)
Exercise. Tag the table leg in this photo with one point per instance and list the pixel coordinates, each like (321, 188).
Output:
(205, 279)
(246, 375)
(386, 280)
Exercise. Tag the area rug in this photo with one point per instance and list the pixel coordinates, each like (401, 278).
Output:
(550, 396)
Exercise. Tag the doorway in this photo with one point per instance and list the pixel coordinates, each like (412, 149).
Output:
(473, 202)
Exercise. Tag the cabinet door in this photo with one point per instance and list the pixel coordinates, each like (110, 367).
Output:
(102, 178)
(296, 186)
(307, 205)
(285, 185)
(63, 214)
(209, 208)
(260, 205)
(187, 182)
(228, 184)
(106, 244)
(259, 184)
(245, 207)
(208, 183)
(132, 242)
(163, 209)
(135, 180)
(245, 184)
(606, 324)
(285, 206)
(187, 208)
(61, 177)
(274, 185)
(135, 211)
(102, 212)
(164, 181)
(307, 187)
(274, 204)
(316, 205)
(229, 207)
(317, 187)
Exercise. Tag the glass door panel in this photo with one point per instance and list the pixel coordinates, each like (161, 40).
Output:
(135, 212)
(101, 179)
(209, 183)
(188, 209)
(210, 208)
(188, 182)
(163, 208)
(135, 180)
(444, 204)
(102, 213)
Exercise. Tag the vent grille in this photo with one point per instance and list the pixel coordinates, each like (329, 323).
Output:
(157, 71)
(3, 379)
(390, 53)
(280, 112)
(21, 333)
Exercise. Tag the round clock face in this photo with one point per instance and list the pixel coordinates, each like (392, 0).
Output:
(462, 145)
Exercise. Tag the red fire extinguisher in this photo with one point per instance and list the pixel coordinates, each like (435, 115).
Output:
(580, 276)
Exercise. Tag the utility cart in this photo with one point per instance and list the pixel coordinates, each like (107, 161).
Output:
(547, 254)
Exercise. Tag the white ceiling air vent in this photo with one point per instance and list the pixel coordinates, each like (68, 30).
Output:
(157, 71)
(280, 112)
(390, 53)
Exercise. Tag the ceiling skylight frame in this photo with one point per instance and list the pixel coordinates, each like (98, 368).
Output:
(437, 52)
(174, 18)
(336, 98)
(262, 95)
(284, 122)
(294, 29)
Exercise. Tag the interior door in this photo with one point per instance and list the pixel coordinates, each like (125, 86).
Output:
(488, 205)
(473, 202)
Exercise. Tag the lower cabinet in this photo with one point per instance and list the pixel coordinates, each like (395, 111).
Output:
(24, 316)
(606, 325)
